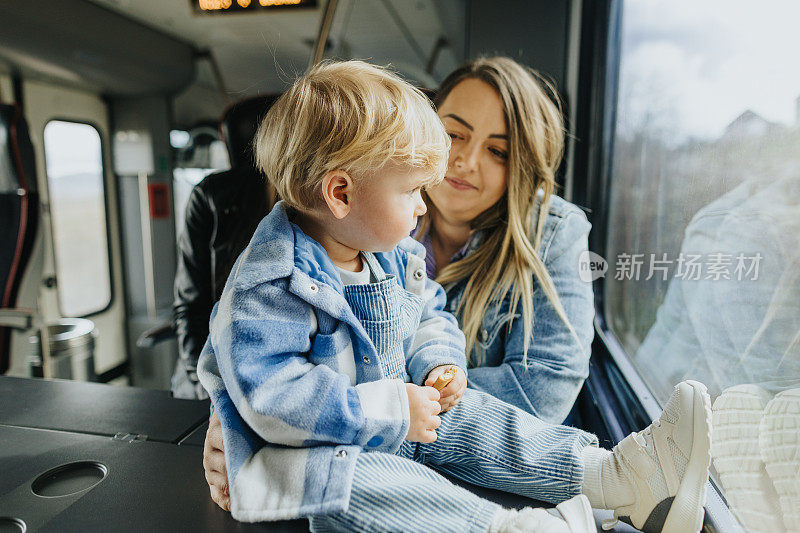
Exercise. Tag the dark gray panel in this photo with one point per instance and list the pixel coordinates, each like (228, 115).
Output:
(533, 32)
(149, 486)
(98, 409)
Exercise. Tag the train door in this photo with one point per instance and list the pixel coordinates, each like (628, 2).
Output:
(81, 265)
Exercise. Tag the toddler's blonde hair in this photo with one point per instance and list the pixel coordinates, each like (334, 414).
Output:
(348, 116)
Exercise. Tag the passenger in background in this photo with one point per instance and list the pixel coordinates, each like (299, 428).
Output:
(495, 235)
(739, 326)
(221, 215)
(741, 336)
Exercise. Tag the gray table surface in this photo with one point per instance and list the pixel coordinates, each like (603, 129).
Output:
(154, 484)
(98, 409)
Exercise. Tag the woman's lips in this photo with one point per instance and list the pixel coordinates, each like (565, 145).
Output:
(459, 185)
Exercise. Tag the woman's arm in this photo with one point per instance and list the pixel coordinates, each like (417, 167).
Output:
(557, 363)
(214, 464)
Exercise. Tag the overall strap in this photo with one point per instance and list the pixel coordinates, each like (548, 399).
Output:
(374, 266)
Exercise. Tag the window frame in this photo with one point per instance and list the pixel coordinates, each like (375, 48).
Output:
(106, 204)
(617, 390)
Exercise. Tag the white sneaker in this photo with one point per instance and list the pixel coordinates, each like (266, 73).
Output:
(779, 440)
(572, 516)
(737, 414)
(667, 465)
(577, 513)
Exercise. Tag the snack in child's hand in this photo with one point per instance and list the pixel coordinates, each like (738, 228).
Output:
(445, 378)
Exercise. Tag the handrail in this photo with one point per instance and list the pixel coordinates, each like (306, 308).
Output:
(322, 34)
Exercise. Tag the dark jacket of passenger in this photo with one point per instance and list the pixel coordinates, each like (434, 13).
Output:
(221, 216)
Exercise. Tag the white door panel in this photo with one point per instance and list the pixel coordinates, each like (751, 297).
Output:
(43, 103)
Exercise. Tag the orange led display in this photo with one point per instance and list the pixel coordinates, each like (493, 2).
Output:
(245, 6)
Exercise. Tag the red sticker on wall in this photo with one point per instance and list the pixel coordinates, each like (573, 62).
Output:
(159, 200)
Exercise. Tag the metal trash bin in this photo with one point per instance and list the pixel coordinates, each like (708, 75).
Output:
(71, 350)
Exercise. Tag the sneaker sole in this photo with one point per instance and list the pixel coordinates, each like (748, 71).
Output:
(780, 449)
(691, 496)
(751, 496)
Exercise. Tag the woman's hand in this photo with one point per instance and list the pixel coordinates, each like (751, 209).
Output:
(214, 464)
(454, 391)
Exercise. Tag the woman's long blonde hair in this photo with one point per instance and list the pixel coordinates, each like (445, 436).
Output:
(509, 252)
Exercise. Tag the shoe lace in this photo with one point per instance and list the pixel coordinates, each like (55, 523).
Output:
(648, 431)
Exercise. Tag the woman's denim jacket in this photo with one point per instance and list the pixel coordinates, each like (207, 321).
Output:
(557, 363)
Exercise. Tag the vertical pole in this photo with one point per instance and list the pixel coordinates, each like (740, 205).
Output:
(324, 31)
(147, 246)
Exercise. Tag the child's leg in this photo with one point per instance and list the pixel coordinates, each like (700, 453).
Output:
(654, 479)
(391, 493)
(490, 443)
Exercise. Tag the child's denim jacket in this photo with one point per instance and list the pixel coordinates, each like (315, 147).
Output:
(305, 373)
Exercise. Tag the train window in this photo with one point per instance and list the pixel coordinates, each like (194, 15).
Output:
(704, 248)
(74, 161)
(198, 153)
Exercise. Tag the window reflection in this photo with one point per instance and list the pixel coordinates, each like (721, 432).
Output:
(705, 240)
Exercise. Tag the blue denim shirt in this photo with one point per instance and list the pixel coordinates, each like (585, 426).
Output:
(557, 364)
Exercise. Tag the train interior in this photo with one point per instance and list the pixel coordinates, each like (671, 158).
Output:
(683, 150)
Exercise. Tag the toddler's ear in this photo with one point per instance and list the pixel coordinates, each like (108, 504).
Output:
(337, 189)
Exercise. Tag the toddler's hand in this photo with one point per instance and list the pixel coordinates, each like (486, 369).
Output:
(454, 391)
(423, 407)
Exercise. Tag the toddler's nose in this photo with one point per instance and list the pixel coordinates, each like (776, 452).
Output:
(421, 208)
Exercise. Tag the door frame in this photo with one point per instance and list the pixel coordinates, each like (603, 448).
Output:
(44, 102)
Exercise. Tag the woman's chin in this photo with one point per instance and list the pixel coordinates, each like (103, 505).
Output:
(455, 206)
(450, 195)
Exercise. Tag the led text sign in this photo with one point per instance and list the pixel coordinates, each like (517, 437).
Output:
(246, 6)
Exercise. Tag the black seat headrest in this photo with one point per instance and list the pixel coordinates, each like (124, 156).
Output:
(17, 170)
(238, 126)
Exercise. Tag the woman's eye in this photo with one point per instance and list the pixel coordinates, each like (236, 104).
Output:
(499, 153)
(453, 136)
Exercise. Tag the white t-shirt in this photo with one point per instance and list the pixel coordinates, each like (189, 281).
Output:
(356, 278)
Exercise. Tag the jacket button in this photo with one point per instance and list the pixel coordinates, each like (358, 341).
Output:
(419, 274)
(484, 335)
(341, 454)
(313, 288)
(366, 359)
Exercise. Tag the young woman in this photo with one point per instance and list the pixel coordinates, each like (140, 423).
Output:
(506, 248)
